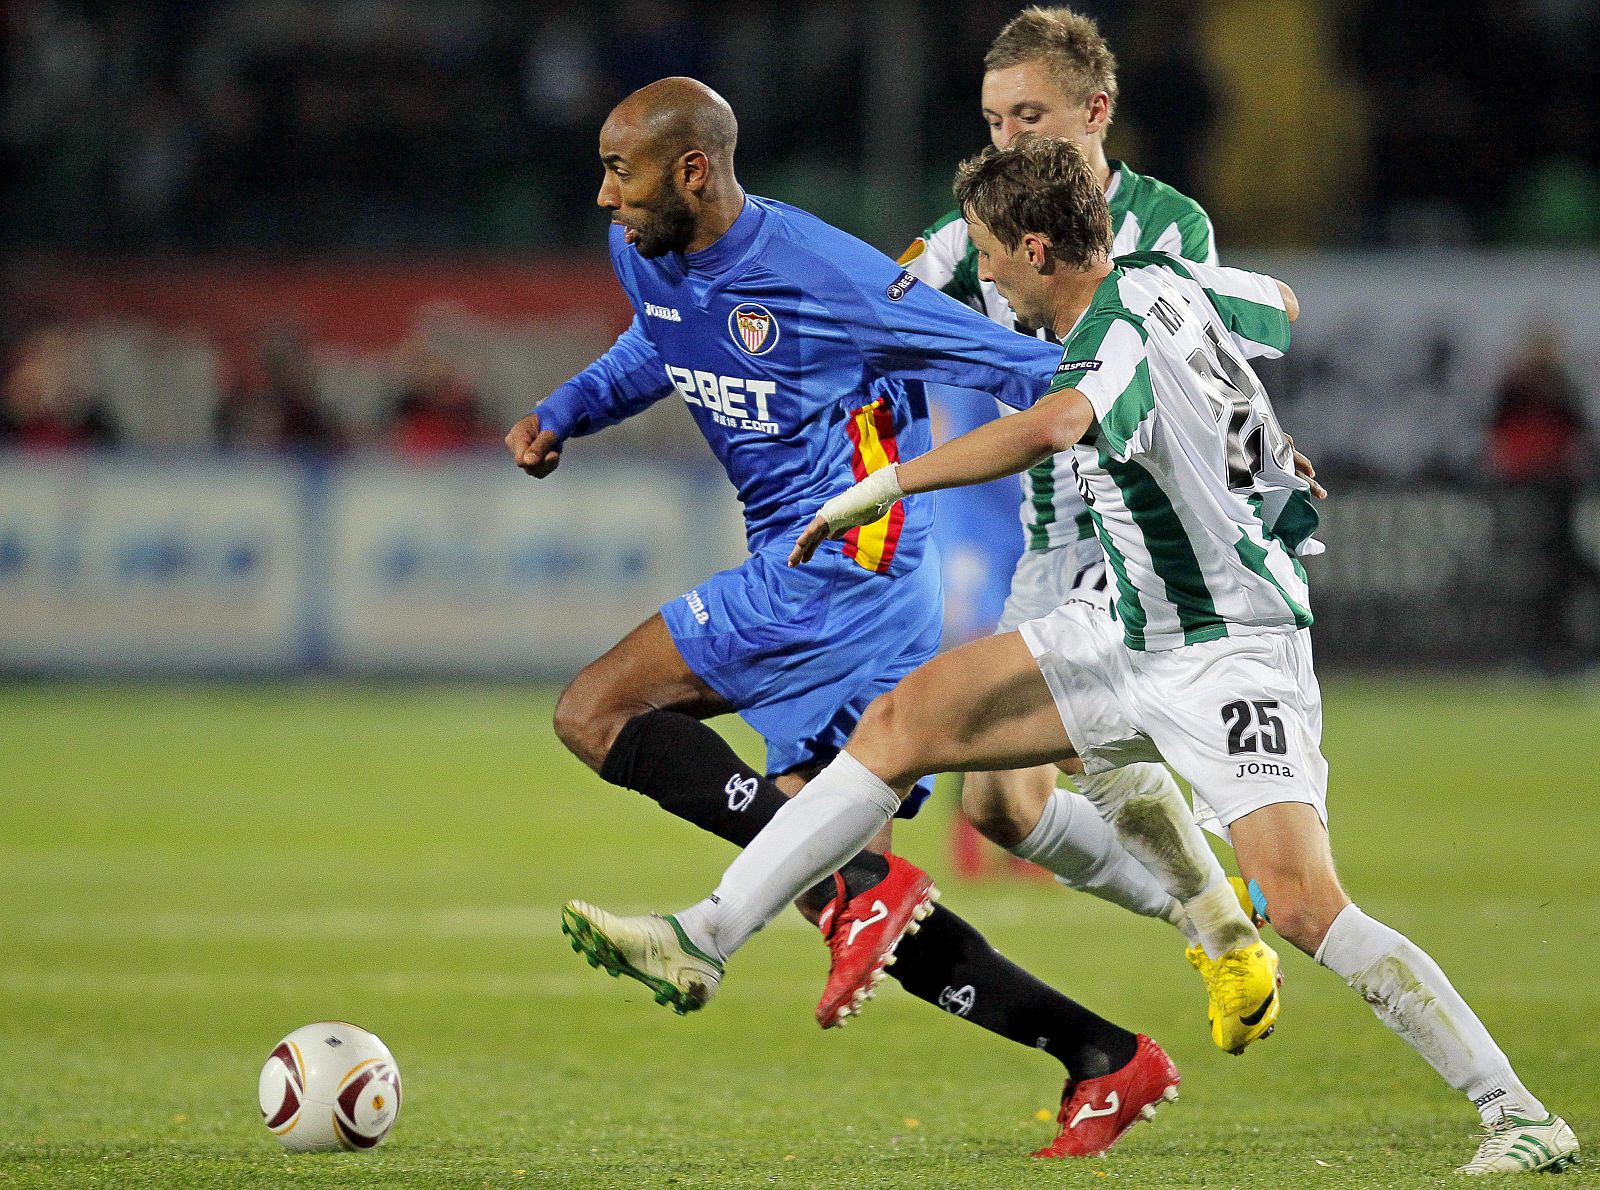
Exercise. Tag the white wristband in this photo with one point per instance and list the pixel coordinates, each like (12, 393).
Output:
(866, 502)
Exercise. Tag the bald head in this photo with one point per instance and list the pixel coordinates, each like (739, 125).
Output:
(667, 150)
(674, 116)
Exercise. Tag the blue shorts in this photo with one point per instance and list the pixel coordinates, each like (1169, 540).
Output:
(799, 652)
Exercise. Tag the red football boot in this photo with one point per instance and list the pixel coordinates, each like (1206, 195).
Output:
(1097, 1111)
(863, 931)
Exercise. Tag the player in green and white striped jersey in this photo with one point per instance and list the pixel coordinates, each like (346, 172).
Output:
(1195, 497)
(1188, 570)
(1049, 71)
(1146, 216)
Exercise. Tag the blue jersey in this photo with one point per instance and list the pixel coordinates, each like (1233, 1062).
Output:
(801, 352)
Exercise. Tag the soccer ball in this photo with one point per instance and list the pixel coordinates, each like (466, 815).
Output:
(328, 1086)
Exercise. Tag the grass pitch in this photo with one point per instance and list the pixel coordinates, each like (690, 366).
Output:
(188, 873)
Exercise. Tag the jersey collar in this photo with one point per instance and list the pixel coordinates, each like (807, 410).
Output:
(1115, 184)
(730, 247)
(1119, 183)
(1105, 294)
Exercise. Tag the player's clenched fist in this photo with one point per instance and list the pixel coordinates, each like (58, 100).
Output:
(536, 451)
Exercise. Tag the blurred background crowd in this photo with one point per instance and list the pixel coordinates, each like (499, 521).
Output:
(470, 124)
(407, 128)
(339, 227)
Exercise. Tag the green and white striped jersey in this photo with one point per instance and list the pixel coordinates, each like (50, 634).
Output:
(1189, 481)
(1146, 215)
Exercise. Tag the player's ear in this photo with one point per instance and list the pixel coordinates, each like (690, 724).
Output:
(694, 171)
(1098, 117)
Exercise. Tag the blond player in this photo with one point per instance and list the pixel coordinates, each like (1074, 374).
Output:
(1050, 72)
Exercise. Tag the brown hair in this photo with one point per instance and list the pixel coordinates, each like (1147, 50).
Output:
(1068, 43)
(1042, 185)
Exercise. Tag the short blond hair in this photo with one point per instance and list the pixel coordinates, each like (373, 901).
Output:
(1068, 43)
(1039, 185)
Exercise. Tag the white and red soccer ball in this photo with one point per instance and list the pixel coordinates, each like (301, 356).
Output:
(329, 1086)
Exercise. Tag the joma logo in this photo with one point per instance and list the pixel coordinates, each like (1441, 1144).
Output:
(1264, 768)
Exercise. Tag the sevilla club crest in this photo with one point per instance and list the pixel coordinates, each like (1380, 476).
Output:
(753, 328)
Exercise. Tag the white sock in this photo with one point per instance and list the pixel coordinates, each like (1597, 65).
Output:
(815, 832)
(1217, 919)
(1154, 823)
(1073, 841)
(1413, 997)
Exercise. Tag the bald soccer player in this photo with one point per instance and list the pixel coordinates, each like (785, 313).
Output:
(801, 353)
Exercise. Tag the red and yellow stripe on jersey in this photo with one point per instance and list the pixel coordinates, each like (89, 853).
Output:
(871, 430)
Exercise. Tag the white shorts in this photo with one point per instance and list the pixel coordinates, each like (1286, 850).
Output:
(1239, 718)
(1045, 579)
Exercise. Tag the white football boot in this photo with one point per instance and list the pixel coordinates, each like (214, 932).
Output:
(1513, 1144)
(652, 949)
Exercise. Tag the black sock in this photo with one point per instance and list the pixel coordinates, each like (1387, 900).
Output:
(691, 772)
(950, 964)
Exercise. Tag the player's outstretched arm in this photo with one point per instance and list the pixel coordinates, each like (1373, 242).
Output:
(536, 451)
(1001, 447)
(1004, 446)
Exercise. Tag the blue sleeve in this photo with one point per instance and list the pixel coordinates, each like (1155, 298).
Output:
(626, 380)
(914, 331)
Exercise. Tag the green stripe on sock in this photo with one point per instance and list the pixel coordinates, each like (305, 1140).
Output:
(683, 941)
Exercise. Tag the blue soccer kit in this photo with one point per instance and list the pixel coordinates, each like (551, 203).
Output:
(801, 353)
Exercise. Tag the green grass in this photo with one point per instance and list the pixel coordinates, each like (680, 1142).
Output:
(190, 872)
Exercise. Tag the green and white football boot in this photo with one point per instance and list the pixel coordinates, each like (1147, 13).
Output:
(652, 949)
(1516, 1145)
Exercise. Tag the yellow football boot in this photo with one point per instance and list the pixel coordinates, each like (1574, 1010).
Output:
(1242, 988)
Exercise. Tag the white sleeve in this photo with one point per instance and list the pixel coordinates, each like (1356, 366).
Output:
(932, 258)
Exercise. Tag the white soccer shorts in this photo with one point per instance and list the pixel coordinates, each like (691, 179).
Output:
(1239, 718)
(1045, 579)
